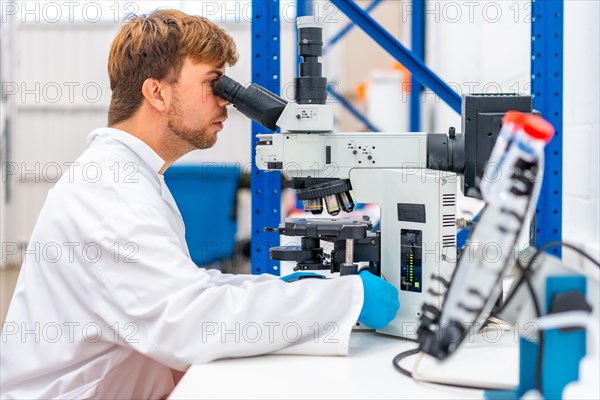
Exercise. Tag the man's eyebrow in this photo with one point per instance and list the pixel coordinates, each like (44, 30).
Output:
(219, 73)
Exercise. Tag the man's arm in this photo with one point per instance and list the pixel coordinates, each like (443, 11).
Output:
(187, 315)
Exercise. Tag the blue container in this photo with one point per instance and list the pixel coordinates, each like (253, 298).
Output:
(206, 197)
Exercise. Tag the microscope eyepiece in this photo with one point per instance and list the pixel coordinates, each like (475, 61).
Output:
(228, 89)
(254, 102)
(311, 86)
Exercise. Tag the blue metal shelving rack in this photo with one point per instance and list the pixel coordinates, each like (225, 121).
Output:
(546, 87)
(547, 81)
(265, 187)
(417, 38)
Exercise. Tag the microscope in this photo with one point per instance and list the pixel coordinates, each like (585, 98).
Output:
(413, 177)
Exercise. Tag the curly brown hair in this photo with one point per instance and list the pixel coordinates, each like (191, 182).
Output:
(154, 46)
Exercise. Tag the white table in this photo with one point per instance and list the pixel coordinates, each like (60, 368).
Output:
(367, 372)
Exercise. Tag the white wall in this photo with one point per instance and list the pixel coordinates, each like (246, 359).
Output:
(55, 96)
(5, 29)
(581, 111)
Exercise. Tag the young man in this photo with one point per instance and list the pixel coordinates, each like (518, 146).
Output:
(118, 304)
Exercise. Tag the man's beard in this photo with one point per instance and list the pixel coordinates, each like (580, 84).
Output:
(199, 138)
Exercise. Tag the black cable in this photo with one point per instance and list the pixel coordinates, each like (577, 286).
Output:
(405, 372)
(539, 359)
(402, 356)
(534, 300)
(527, 270)
(540, 353)
(526, 275)
(538, 313)
(533, 230)
(562, 244)
(525, 278)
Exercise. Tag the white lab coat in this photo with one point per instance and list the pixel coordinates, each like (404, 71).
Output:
(108, 300)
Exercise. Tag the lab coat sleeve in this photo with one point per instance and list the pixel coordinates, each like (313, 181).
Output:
(184, 315)
(218, 278)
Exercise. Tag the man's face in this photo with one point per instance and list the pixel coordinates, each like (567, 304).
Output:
(196, 114)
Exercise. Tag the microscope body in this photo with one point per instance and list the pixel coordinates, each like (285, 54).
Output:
(412, 177)
(418, 205)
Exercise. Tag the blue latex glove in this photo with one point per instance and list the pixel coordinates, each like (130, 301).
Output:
(296, 276)
(380, 303)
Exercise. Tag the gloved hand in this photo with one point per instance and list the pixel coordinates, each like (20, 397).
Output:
(380, 303)
(296, 276)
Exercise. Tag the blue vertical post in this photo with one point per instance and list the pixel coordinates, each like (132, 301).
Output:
(418, 49)
(265, 187)
(304, 7)
(546, 88)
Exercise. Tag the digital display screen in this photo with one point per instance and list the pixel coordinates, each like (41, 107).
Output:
(411, 260)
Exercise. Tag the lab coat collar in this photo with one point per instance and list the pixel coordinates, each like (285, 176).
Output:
(141, 149)
(145, 153)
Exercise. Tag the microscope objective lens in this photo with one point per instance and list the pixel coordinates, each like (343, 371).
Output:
(333, 206)
(346, 201)
(314, 206)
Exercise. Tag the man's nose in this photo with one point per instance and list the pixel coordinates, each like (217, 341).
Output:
(223, 102)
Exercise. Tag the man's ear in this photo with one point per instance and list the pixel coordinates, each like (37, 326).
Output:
(155, 93)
